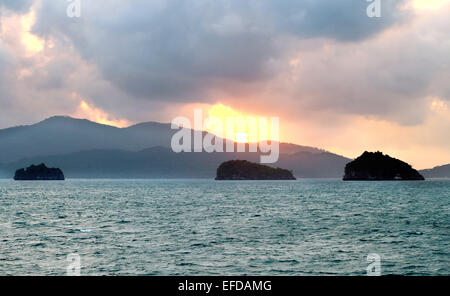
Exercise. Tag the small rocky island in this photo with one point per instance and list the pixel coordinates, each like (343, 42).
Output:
(245, 170)
(39, 173)
(375, 166)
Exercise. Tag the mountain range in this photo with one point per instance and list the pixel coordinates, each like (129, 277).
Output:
(85, 149)
(437, 172)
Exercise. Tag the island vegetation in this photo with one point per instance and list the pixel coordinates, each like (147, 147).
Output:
(375, 166)
(245, 170)
(39, 173)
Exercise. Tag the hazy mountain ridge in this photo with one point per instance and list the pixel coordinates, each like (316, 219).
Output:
(62, 135)
(442, 171)
(162, 162)
(85, 149)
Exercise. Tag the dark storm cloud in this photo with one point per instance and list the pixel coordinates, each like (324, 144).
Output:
(180, 50)
(16, 5)
(166, 51)
(341, 20)
(169, 51)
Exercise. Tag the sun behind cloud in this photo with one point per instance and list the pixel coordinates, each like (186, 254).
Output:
(245, 130)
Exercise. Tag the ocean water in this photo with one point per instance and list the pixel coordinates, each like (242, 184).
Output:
(204, 227)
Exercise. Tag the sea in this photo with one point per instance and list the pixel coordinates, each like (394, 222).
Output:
(207, 227)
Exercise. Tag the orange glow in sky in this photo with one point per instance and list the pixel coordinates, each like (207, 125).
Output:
(98, 115)
(246, 128)
(30, 41)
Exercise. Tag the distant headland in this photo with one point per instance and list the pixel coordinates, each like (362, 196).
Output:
(39, 173)
(245, 170)
(375, 166)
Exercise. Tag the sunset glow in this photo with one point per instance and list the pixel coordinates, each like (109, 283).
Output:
(429, 4)
(247, 128)
(98, 115)
(30, 41)
(241, 137)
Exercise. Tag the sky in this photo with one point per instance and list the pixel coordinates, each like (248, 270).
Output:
(336, 78)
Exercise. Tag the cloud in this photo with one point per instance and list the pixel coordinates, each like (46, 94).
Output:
(35, 84)
(322, 64)
(389, 76)
(16, 5)
(339, 20)
(86, 111)
(182, 50)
